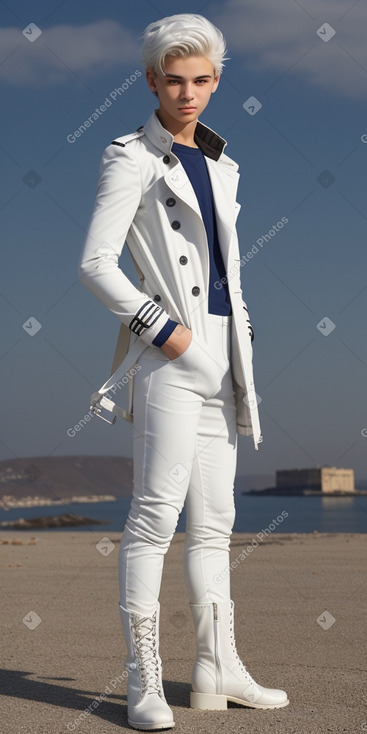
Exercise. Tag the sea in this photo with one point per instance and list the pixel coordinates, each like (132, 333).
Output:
(253, 515)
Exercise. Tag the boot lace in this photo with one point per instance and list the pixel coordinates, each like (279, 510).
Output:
(146, 654)
(241, 666)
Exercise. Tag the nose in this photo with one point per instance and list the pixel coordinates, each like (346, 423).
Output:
(186, 92)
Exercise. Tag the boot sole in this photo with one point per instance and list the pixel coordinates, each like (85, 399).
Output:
(215, 702)
(150, 727)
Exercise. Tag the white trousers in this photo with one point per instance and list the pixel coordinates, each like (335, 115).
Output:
(185, 446)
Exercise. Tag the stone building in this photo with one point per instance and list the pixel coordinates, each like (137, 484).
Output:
(322, 479)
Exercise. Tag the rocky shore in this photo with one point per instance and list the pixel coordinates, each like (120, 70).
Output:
(66, 520)
(9, 502)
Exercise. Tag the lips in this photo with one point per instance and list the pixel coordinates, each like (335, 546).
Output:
(187, 109)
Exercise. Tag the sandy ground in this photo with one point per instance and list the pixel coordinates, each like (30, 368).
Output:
(53, 671)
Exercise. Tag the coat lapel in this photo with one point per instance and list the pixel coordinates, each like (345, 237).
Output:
(224, 184)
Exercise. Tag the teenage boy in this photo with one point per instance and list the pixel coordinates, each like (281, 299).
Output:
(170, 191)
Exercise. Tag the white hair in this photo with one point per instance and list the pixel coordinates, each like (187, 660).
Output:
(182, 35)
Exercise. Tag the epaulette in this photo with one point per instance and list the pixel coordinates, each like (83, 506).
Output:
(126, 138)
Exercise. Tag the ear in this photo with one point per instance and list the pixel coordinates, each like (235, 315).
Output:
(215, 83)
(150, 76)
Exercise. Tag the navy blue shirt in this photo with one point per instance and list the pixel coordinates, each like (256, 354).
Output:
(193, 161)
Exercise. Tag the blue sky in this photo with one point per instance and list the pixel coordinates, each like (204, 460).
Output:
(306, 64)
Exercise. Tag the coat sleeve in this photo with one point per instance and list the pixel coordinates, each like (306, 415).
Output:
(117, 200)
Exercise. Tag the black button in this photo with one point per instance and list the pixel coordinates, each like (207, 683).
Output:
(176, 224)
(166, 159)
(157, 298)
(183, 259)
(171, 202)
(195, 290)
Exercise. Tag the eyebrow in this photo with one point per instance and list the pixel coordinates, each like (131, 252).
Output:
(201, 76)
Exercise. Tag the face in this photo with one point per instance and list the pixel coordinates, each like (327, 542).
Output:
(185, 90)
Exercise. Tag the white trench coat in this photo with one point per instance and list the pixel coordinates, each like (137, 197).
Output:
(145, 197)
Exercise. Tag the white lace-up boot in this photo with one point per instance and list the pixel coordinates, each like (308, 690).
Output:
(147, 707)
(219, 675)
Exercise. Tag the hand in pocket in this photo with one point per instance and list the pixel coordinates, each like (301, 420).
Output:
(178, 342)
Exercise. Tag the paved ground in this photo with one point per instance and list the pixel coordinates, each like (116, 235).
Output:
(52, 673)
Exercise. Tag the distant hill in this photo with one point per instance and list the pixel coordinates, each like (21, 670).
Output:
(66, 476)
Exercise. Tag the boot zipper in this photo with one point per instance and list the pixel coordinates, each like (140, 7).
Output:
(218, 676)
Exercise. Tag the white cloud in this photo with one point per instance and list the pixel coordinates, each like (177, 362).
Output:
(84, 50)
(272, 36)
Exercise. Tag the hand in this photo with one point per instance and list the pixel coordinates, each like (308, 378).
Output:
(177, 342)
